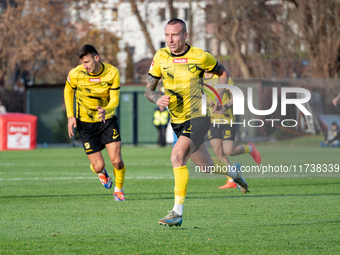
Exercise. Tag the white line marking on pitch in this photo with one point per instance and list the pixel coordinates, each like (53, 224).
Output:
(81, 178)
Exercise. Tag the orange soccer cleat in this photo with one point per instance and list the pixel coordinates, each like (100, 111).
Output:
(229, 185)
(255, 154)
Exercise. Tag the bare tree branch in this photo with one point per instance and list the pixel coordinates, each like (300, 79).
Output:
(143, 26)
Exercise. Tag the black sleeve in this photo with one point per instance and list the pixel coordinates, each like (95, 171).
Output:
(337, 137)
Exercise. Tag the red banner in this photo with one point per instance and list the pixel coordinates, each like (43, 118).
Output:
(18, 131)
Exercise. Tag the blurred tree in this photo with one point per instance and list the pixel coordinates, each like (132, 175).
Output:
(264, 37)
(318, 29)
(190, 23)
(171, 9)
(42, 37)
(143, 26)
(247, 28)
(130, 69)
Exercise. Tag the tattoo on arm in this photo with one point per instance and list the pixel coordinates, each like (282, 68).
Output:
(150, 93)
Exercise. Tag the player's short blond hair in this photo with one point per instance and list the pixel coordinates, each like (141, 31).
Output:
(178, 21)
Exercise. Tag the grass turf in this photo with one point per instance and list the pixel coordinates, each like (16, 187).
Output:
(51, 203)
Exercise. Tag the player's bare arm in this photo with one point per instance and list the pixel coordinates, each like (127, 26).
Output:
(223, 75)
(72, 123)
(151, 95)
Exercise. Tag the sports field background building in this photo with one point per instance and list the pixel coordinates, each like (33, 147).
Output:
(117, 17)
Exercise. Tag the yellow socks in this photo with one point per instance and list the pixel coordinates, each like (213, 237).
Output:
(93, 169)
(247, 149)
(220, 167)
(181, 184)
(119, 177)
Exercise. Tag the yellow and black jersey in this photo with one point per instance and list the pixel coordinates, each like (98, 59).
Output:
(100, 89)
(228, 114)
(176, 72)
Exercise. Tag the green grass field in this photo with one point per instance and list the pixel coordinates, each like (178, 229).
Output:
(51, 203)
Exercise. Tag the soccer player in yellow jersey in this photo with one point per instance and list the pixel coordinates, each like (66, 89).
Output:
(177, 64)
(96, 86)
(222, 136)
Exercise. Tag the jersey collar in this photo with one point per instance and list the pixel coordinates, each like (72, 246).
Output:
(182, 54)
(100, 72)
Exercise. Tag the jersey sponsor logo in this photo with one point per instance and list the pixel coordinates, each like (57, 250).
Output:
(180, 60)
(151, 66)
(94, 80)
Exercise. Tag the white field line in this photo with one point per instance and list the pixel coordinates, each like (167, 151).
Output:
(80, 164)
(81, 178)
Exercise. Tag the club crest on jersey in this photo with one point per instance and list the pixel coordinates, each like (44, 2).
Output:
(94, 80)
(180, 60)
(192, 68)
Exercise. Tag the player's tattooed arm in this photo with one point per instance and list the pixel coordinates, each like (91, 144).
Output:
(223, 75)
(150, 93)
(220, 71)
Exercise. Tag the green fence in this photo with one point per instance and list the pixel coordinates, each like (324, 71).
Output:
(135, 115)
(47, 103)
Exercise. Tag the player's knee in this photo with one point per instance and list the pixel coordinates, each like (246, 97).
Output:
(218, 152)
(117, 162)
(176, 160)
(229, 152)
(98, 166)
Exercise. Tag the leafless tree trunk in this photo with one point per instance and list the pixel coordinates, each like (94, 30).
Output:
(216, 19)
(190, 21)
(143, 26)
(319, 29)
(171, 9)
(38, 37)
(229, 31)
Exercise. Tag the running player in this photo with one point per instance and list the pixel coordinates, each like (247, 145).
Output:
(177, 64)
(96, 85)
(222, 137)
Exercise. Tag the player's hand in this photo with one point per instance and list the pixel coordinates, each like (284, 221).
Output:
(217, 107)
(335, 101)
(163, 101)
(72, 123)
(222, 110)
(101, 113)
